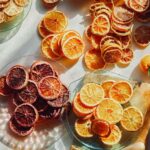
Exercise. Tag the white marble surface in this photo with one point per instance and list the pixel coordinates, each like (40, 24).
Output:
(27, 42)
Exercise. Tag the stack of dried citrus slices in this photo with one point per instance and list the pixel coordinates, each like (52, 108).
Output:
(36, 92)
(10, 9)
(57, 42)
(100, 111)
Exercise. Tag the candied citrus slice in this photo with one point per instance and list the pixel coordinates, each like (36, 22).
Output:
(21, 3)
(121, 92)
(109, 110)
(106, 85)
(101, 25)
(80, 108)
(49, 87)
(114, 137)
(142, 36)
(83, 128)
(42, 30)
(93, 59)
(127, 56)
(46, 50)
(91, 94)
(73, 47)
(132, 119)
(55, 21)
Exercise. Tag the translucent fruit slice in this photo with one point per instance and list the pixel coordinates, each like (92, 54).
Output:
(93, 59)
(114, 137)
(49, 87)
(73, 47)
(22, 3)
(106, 85)
(83, 128)
(91, 94)
(55, 21)
(121, 92)
(101, 25)
(132, 119)
(78, 107)
(109, 110)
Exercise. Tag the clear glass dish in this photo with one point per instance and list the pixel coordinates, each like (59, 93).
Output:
(10, 28)
(94, 143)
(45, 134)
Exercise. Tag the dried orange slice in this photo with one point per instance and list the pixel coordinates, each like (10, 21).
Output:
(73, 47)
(68, 34)
(81, 110)
(127, 56)
(95, 40)
(21, 3)
(101, 25)
(88, 32)
(125, 40)
(46, 50)
(114, 137)
(121, 92)
(55, 21)
(109, 110)
(93, 59)
(91, 94)
(106, 85)
(43, 32)
(83, 128)
(132, 119)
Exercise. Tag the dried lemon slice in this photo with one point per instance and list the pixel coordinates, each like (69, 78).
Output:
(22, 3)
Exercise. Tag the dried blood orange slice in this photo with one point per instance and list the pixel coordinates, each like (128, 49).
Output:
(101, 25)
(15, 99)
(142, 35)
(17, 77)
(19, 130)
(49, 88)
(4, 89)
(62, 99)
(109, 110)
(143, 17)
(26, 115)
(127, 56)
(83, 128)
(121, 92)
(73, 47)
(78, 107)
(43, 32)
(41, 69)
(88, 32)
(106, 85)
(30, 93)
(93, 59)
(100, 127)
(114, 137)
(91, 94)
(125, 40)
(22, 3)
(40, 104)
(132, 119)
(55, 21)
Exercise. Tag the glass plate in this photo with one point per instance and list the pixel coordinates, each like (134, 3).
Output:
(94, 143)
(45, 134)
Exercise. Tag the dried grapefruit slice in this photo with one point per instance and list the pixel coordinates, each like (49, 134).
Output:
(26, 115)
(49, 87)
(81, 110)
(91, 94)
(17, 77)
(121, 92)
(93, 59)
(55, 21)
(101, 25)
(83, 128)
(73, 47)
(142, 36)
(22, 3)
(109, 110)
(132, 119)
(106, 85)
(114, 137)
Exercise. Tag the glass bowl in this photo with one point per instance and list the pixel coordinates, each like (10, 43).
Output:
(45, 134)
(10, 28)
(70, 118)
